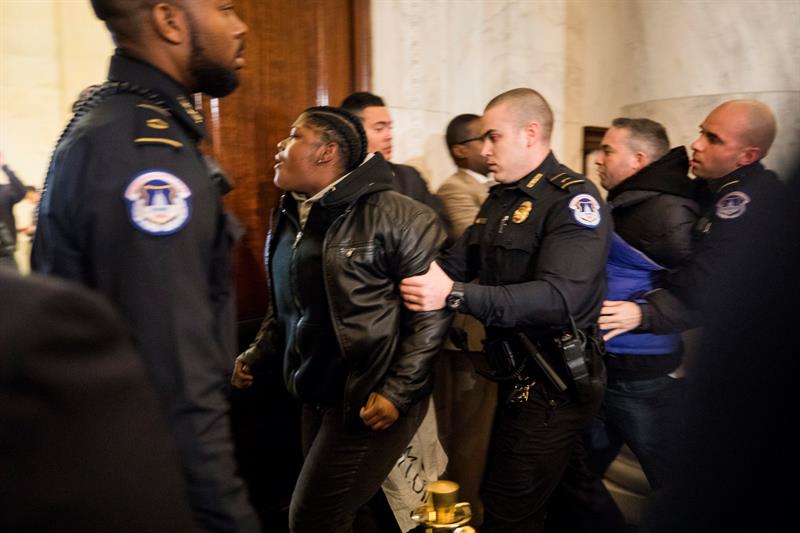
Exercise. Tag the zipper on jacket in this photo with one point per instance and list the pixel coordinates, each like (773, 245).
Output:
(292, 266)
(334, 225)
(347, 382)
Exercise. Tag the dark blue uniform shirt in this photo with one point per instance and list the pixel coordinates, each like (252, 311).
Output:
(131, 209)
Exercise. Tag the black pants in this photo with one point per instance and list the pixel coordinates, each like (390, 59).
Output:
(344, 467)
(536, 447)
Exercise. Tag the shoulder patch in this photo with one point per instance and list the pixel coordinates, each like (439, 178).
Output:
(732, 205)
(159, 203)
(585, 210)
(565, 181)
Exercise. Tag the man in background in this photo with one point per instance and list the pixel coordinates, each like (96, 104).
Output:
(377, 122)
(465, 400)
(10, 194)
(26, 226)
(652, 201)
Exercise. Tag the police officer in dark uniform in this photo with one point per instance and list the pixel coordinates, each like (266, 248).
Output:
(537, 249)
(726, 156)
(741, 390)
(132, 209)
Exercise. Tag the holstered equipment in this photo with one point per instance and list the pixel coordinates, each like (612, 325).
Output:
(575, 356)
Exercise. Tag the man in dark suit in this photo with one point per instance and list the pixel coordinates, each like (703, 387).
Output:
(377, 121)
(465, 401)
(83, 444)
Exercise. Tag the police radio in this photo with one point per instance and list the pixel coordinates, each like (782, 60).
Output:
(572, 345)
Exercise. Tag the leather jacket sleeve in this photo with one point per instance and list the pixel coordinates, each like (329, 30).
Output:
(421, 334)
(265, 344)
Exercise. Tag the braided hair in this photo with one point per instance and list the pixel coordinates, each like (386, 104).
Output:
(335, 125)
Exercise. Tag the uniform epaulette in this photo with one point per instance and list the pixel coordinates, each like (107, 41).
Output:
(155, 127)
(565, 181)
(729, 183)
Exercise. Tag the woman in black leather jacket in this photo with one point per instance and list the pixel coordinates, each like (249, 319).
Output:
(358, 360)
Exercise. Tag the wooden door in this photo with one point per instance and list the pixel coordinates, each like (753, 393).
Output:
(299, 53)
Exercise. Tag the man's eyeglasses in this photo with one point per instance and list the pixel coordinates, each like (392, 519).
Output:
(465, 141)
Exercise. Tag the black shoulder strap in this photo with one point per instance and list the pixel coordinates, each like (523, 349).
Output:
(90, 98)
(564, 181)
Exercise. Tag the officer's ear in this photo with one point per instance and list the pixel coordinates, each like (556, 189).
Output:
(170, 23)
(751, 154)
(532, 133)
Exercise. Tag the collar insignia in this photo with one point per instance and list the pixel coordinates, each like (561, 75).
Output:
(534, 180)
(190, 110)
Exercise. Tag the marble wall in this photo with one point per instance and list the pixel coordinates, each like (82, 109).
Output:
(49, 51)
(593, 59)
(435, 59)
(432, 59)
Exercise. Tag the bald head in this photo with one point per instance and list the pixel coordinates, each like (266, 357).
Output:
(735, 134)
(754, 121)
(526, 106)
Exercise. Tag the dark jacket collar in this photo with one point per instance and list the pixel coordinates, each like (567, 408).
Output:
(372, 176)
(741, 174)
(125, 68)
(667, 175)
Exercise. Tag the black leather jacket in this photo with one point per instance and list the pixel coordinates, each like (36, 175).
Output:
(380, 238)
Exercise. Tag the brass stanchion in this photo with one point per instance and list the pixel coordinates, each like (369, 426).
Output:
(442, 511)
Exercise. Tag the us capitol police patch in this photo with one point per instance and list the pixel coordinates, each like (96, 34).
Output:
(732, 205)
(585, 210)
(159, 203)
